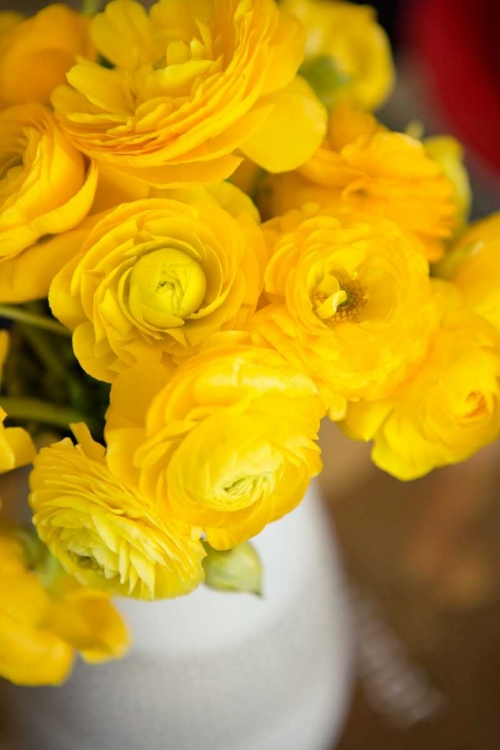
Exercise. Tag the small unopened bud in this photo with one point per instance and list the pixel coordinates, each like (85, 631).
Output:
(237, 569)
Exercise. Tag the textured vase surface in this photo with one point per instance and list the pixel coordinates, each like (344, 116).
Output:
(217, 671)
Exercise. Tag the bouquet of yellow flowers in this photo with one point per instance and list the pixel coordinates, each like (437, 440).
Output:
(207, 244)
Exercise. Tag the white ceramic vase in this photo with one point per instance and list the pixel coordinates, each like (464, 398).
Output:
(217, 671)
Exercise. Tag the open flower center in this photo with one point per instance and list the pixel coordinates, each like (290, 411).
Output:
(168, 285)
(339, 298)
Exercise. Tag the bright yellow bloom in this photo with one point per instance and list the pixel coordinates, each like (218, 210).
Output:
(474, 266)
(225, 444)
(46, 188)
(348, 55)
(156, 277)
(36, 53)
(16, 446)
(448, 409)
(46, 616)
(102, 531)
(193, 80)
(364, 166)
(350, 302)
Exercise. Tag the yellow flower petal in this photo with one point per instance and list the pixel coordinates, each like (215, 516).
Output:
(105, 534)
(226, 443)
(343, 289)
(34, 59)
(277, 147)
(46, 616)
(448, 409)
(473, 264)
(32, 658)
(190, 84)
(350, 49)
(18, 283)
(16, 446)
(194, 268)
(363, 166)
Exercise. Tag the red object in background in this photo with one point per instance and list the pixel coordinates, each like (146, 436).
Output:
(458, 41)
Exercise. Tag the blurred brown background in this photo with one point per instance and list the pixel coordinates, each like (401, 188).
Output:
(423, 558)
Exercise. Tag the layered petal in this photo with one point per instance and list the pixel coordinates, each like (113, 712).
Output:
(348, 55)
(104, 533)
(448, 409)
(46, 616)
(363, 166)
(225, 444)
(190, 84)
(155, 278)
(36, 53)
(473, 264)
(47, 188)
(349, 302)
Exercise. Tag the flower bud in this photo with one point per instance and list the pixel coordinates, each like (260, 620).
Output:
(237, 569)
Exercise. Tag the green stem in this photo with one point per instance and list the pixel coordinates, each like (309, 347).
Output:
(36, 410)
(40, 341)
(91, 7)
(20, 315)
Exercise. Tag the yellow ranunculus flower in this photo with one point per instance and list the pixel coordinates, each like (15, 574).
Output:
(36, 53)
(46, 616)
(16, 446)
(348, 55)
(47, 188)
(474, 266)
(448, 409)
(156, 277)
(364, 166)
(225, 444)
(350, 302)
(102, 531)
(192, 82)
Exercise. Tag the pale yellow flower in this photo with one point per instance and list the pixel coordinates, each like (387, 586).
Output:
(226, 443)
(102, 530)
(348, 55)
(46, 617)
(191, 83)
